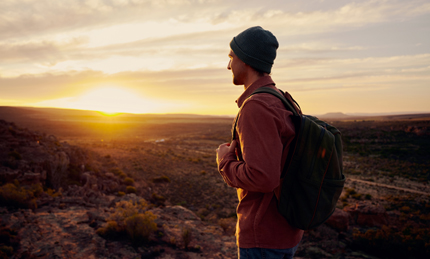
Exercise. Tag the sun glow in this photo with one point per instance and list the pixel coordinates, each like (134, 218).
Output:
(109, 101)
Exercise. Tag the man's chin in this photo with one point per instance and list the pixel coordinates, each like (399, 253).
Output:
(236, 82)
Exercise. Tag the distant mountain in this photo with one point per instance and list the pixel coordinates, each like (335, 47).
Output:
(374, 116)
(334, 115)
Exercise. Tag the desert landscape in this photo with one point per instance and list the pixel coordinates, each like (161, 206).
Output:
(80, 184)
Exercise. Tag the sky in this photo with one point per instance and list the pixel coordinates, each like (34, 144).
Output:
(171, 56)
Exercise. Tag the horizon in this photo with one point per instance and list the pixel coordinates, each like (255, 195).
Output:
(152, 57)
(328, 114)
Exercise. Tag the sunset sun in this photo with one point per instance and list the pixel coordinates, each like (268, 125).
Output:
(109, 100)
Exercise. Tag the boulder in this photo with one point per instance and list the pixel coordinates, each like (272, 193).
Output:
(339, 220)
(368, 214)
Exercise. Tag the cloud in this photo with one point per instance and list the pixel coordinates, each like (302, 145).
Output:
(379, 72)
(50, 49)
(22, 19)
(49, 52)
(73, 82)
(31, 18)
(46, 33)
(191, 50)
(308, 72)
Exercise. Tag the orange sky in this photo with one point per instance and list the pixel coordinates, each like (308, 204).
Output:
(150, 56)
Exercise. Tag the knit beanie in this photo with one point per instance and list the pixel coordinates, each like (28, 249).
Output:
(256, 47)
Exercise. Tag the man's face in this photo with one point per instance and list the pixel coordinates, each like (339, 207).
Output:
(237, 67)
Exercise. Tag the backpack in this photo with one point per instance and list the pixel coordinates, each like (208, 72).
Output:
(312, 178)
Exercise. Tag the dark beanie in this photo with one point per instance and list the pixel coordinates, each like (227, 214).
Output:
(256, 47)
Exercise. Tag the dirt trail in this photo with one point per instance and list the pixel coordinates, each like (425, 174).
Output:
(389, 186)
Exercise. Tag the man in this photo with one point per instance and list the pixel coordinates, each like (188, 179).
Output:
(254, 162)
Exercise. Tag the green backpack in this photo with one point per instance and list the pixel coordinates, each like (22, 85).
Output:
(312, 178)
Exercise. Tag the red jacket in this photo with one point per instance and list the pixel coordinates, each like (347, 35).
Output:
(263, 128)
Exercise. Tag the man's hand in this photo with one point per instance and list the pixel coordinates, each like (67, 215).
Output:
(225, 148)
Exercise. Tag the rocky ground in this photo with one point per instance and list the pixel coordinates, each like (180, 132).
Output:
(63, 194)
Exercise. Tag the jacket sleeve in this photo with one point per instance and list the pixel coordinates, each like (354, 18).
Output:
(261, 146)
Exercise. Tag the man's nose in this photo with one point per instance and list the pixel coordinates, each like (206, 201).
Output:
(229, 65)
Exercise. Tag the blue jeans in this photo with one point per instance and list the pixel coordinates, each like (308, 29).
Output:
(265, 253)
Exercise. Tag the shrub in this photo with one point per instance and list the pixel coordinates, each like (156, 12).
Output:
(117, 171)
(425, 217)
(157, 199)
(186, 237)
(140, 226)
(111, 230)
(356, 196)
(228, 225)
(223, 223)
(14, 154)
(19, 197)
(120, 194)
(125, 209)
(7, 250)
(393, 243)
(130, 189)
(350, 191)
(161, 179)
(53, 193)
(129, 181)
(129, 218)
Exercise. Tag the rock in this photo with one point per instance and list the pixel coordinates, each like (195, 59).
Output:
(30, 178)
(57, 166)
(367, 214)
(314, 252)
(109, 186)
(208, 239)
(339, 220)
(181, 213)
(96, 217)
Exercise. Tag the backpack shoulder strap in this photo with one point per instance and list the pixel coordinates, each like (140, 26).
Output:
(291, 105)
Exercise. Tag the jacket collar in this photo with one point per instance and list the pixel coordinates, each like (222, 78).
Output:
(263, 81)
